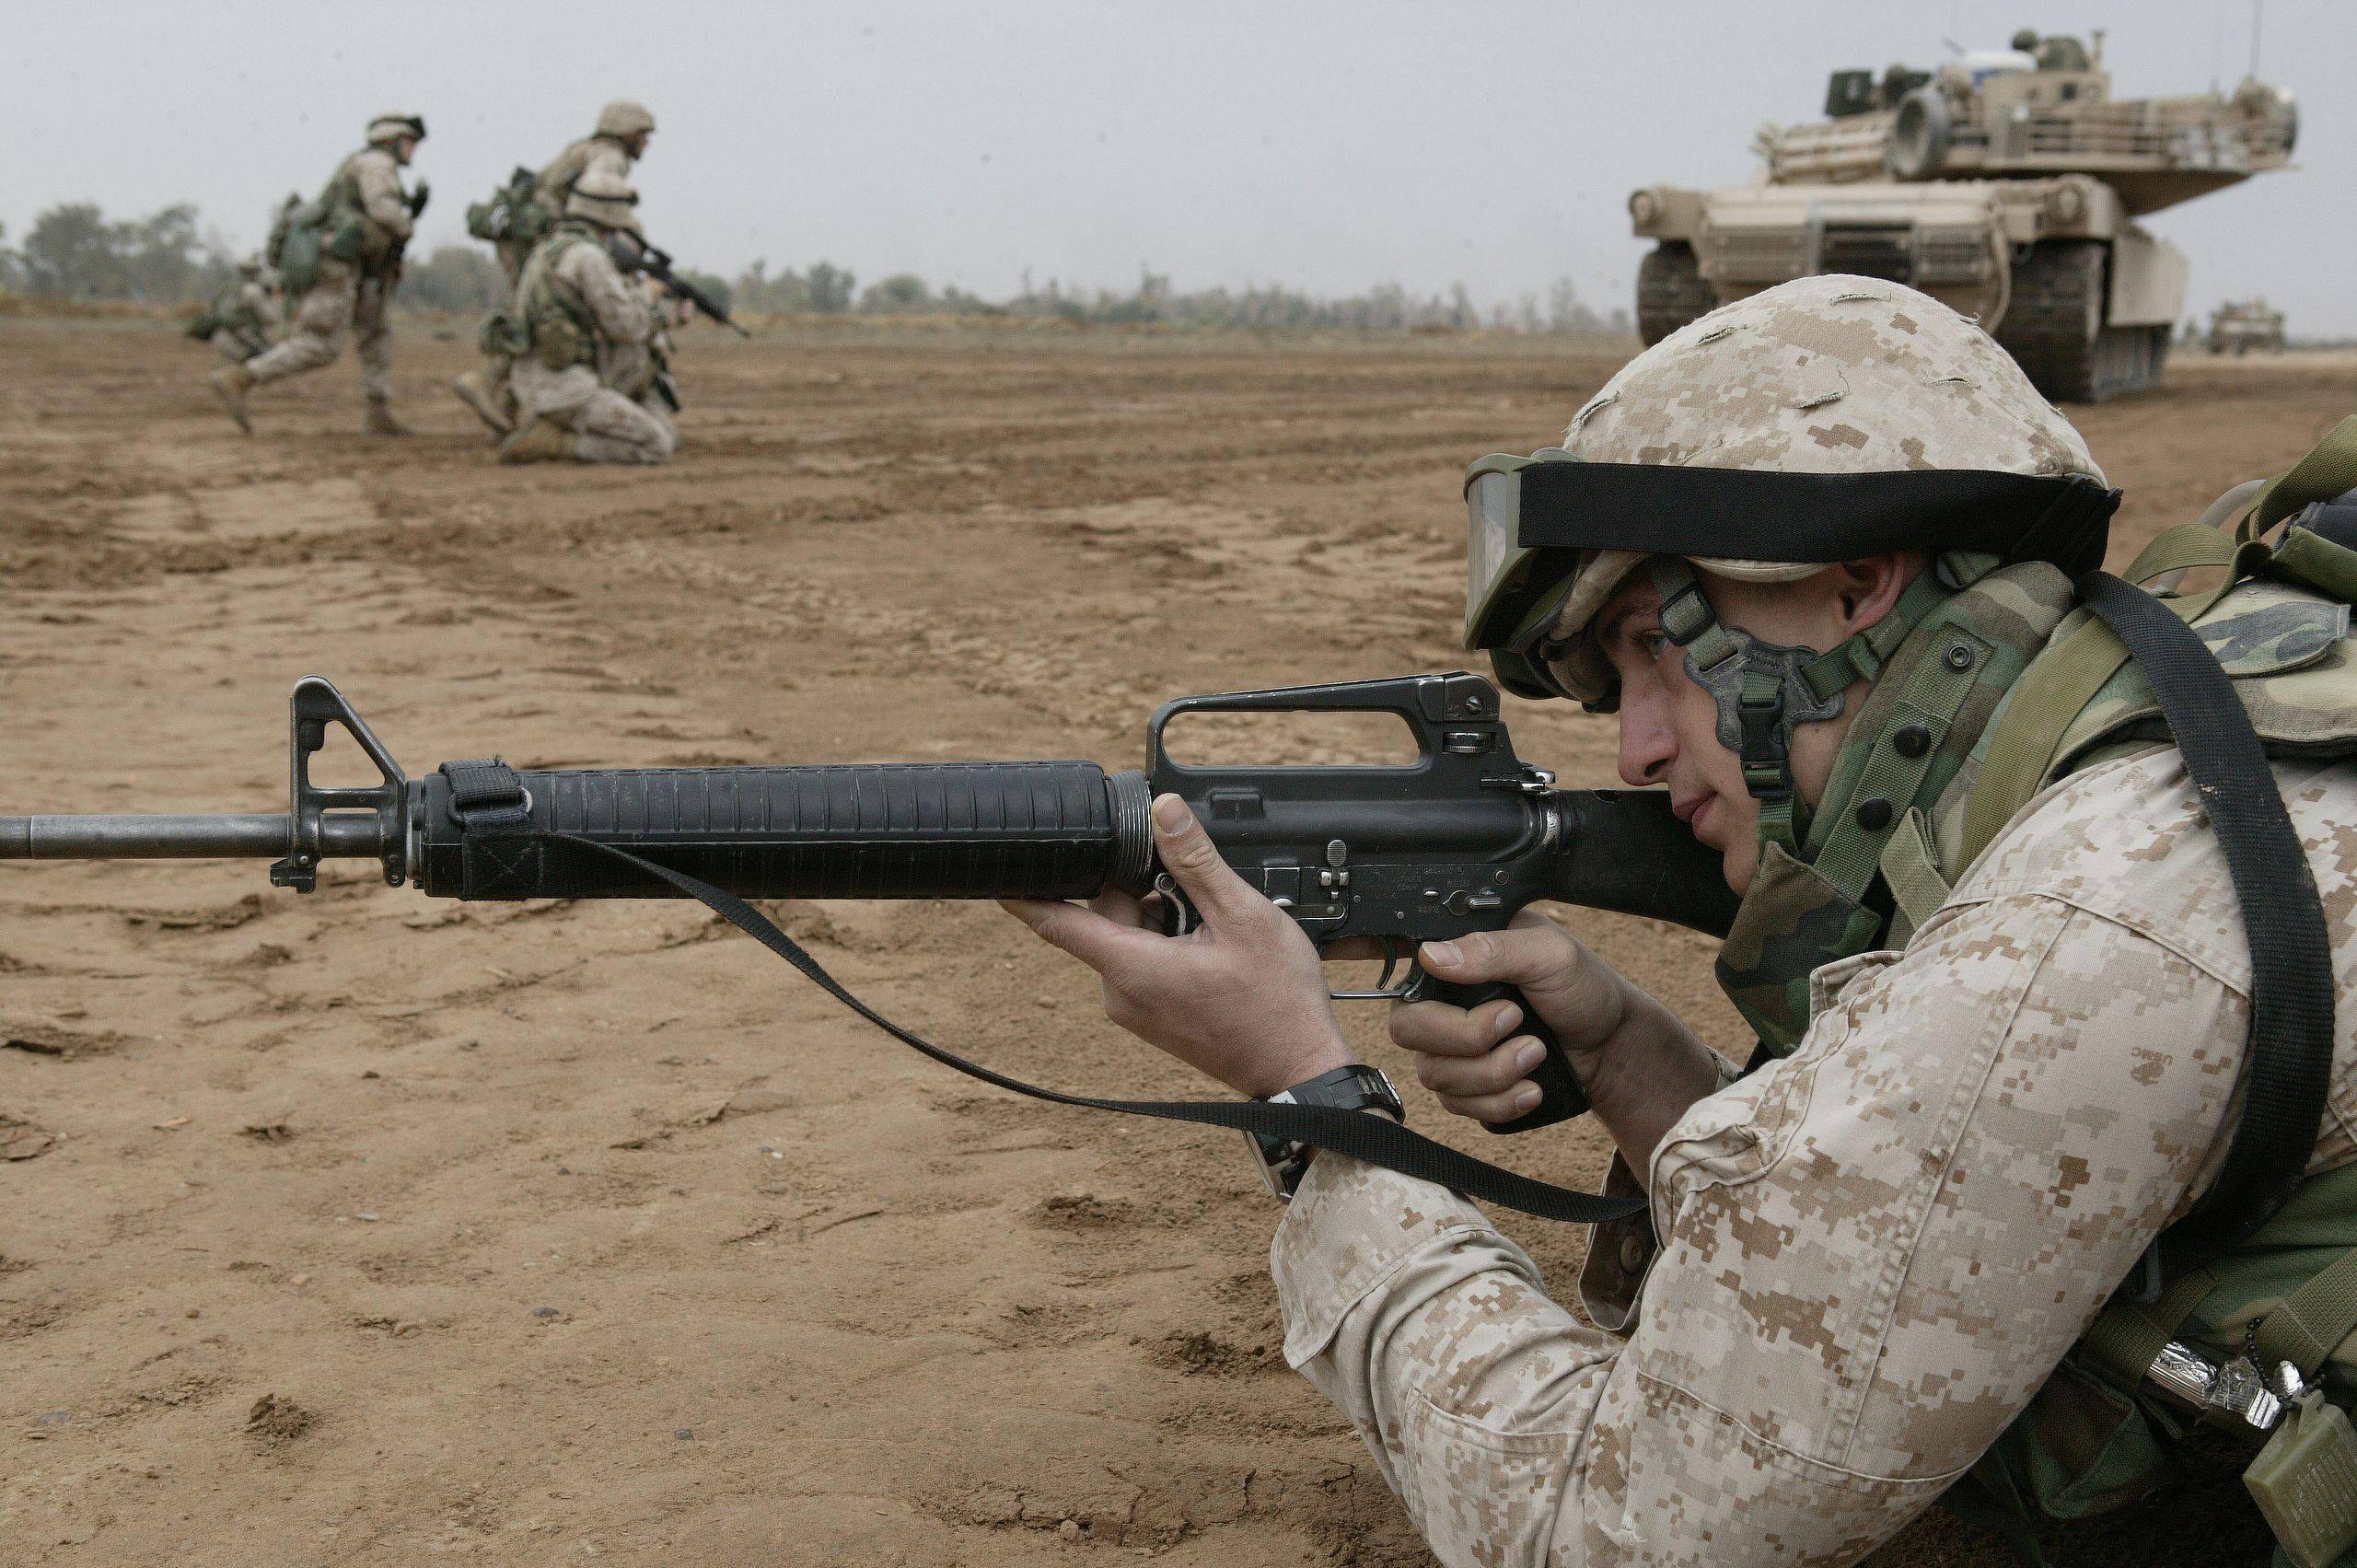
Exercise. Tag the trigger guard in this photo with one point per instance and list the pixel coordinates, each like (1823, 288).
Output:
(1177, 915)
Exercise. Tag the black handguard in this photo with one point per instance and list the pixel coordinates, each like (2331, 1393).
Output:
(657, 263)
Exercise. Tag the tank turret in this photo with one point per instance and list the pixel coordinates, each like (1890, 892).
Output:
(2006, 182)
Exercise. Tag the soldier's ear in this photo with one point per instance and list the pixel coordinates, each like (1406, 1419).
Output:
(1865, 590)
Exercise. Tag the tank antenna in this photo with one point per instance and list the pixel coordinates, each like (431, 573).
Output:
(2258, 21)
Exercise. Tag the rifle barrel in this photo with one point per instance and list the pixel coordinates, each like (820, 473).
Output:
(224, 836)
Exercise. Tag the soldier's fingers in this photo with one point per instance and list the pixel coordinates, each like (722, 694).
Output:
(1518, 1100)
(1520, 954)
(1439, 1029)
(1495, 1071)
(1095, 941)
(1187, 851)
(1125, 909)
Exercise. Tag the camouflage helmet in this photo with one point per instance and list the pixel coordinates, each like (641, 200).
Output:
(1825, 375)
(251, 266)
(605, 199)
(389, 128)
(624, 117)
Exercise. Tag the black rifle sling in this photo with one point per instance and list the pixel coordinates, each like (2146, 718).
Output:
(1362, 1134)
(488, 798)
(2292, 982)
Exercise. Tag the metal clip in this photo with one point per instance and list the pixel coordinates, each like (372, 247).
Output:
(2237, 1390)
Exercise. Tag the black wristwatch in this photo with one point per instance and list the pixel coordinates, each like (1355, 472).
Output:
(1283, 1161)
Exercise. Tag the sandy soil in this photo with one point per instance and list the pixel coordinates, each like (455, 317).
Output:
(358, 1228)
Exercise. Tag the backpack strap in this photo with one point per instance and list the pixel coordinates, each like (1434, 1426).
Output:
(2308, 1326)
(2328, 472)
(1911, 865)
(2292, 984)
(2022, 746)
(2127, 1336)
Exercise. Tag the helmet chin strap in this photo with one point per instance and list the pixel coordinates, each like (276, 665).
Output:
(1763, 690)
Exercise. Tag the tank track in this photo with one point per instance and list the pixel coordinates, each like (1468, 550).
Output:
(2054, 328)
(1670, 290)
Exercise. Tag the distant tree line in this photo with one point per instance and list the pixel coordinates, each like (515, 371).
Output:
(74, 251)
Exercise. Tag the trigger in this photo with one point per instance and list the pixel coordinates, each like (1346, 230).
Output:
(1413, 989)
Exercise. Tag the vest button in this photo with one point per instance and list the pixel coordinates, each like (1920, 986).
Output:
(1874, 814)
(1911, 740)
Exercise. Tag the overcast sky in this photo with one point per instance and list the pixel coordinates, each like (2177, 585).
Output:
(1329, 145)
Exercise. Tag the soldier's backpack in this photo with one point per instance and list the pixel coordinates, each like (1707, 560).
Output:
(292, 249)
(2263, 1276)
(513, 214)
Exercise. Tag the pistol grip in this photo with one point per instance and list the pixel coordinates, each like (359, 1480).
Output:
(1560, 1096)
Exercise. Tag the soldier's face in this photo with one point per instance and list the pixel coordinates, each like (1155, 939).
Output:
(1669, 724)
(404, 148)
(635, 143)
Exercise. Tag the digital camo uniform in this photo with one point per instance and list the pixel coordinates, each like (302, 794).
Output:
(1864, 1261)
(609, 150)
(371, 216)
(588, 381)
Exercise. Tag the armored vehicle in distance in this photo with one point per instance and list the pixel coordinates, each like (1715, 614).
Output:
(2005, 183)
(2242, 326)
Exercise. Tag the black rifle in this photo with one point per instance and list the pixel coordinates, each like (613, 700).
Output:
(655, 262)
(1454, 842)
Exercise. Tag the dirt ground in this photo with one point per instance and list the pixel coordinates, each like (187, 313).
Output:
(362, 1228)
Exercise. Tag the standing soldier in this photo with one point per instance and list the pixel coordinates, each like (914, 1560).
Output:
(589, 374)
(516, 219)
(340, 258)
(242, 320)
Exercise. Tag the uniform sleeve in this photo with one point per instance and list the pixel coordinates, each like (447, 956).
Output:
(1874, 1252)
(381, 196)
(605, 156)
(556, 180)
(623, 313)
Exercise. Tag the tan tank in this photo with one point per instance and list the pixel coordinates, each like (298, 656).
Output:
(2244, 326)
(2005, 183)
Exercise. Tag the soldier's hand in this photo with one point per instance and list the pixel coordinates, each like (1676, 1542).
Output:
(1242, 996)
(1639, 1065)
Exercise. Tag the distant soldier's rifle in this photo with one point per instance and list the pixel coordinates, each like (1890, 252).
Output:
(655, 262)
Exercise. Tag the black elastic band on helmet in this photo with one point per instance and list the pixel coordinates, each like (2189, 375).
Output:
(1749, 514)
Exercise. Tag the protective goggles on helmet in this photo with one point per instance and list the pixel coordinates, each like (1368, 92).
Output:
(1532, 523)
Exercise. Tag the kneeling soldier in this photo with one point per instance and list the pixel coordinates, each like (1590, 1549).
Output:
(589, 375)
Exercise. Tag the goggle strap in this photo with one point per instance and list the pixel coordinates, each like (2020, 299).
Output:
(1685, 613)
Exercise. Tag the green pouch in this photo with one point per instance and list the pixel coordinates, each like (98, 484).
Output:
(488, 220)
(298, 260)
(528, 221)
(348, 241)
(204, 325)
(501, 339)
(558, 344)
